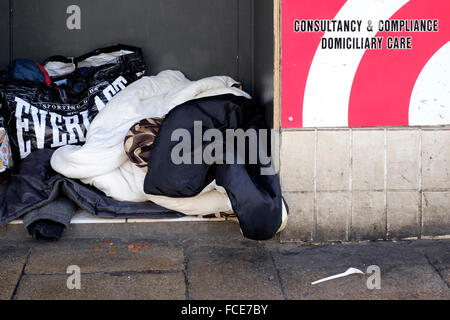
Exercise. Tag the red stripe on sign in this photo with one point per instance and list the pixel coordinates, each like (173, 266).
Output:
(385, 79)
(298, 52)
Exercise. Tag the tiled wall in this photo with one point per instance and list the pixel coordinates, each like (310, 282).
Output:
(366, 184)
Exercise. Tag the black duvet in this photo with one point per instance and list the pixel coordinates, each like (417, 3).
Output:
(256, 198)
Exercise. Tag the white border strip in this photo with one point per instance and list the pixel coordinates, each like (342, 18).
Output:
(84, 217)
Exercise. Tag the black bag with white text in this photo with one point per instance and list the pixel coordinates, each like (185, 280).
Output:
(53, 104)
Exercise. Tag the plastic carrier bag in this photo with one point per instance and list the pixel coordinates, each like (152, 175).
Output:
(6, 161)
(53, 104)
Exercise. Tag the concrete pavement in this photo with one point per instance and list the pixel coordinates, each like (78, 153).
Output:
(199, 261)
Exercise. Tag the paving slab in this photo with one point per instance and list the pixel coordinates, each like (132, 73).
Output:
(397, 283)
(232, 274)
(14, 232)
(170, 286)
(405, 272)
(96, 256)
(223, 232)
(360, 254)
(12, 260)
(169, 231)
(438, 254)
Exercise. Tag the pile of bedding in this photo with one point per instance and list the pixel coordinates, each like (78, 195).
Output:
(47, 200)
(124, 166)
(52, 104)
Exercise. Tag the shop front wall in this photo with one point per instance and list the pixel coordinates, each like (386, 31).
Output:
(365, 115)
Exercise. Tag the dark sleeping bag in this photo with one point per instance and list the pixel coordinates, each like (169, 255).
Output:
(255, 197)
(47, 200)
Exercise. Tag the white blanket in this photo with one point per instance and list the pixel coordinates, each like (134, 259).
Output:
(102, 161)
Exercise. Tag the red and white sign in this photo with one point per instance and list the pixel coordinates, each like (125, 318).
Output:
(364, 63)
